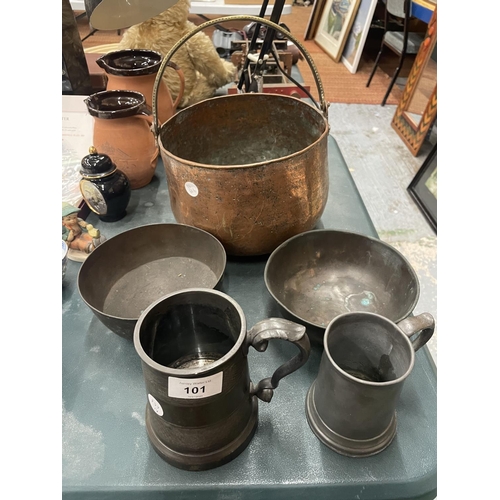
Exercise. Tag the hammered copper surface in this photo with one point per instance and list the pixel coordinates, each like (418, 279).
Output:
(251, 169)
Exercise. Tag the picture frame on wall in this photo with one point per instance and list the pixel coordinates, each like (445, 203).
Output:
(423, 188)
(356, 39)
(334, 27)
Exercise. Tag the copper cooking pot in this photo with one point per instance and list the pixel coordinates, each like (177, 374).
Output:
(251, 169)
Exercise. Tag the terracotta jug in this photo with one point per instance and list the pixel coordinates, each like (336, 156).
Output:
(136, 69)
(122, 130)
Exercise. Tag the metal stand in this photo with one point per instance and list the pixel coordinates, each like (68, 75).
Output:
(250, 81)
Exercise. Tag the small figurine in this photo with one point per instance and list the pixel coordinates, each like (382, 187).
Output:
(82, 238)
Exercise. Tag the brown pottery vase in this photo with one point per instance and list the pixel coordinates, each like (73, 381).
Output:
(122, 130)
(136, 69)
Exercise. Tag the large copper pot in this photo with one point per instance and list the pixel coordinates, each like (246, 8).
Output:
(251, 169)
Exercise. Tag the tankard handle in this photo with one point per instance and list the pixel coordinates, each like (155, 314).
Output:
(423, 324)
(277, 328)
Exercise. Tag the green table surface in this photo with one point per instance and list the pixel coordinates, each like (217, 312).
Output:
(105, 450)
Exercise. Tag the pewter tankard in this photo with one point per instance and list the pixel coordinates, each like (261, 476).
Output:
(366, 359)
(202, 407)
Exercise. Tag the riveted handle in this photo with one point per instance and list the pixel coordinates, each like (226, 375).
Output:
(212, 22)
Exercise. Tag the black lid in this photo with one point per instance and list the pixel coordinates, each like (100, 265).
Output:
(96, 164)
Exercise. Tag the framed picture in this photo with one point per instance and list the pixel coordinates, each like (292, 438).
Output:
(423, 188)
(357, 36)
(334, 26)
(314, 18)
(417, 109)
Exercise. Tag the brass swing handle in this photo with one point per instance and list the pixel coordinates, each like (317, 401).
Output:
(212, 22)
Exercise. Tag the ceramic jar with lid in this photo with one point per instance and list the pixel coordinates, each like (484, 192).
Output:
(105, 189)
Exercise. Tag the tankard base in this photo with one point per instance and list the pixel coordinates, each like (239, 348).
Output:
(341, 444)
(198, 462)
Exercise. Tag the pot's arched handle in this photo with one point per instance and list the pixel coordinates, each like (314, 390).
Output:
(212, 22)
(423, 324)
(277, 328)
(180, 74)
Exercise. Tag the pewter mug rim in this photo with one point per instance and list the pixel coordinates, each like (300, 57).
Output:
(179, 372)
(352, 378)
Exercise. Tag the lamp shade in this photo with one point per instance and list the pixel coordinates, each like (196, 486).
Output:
(117, 14)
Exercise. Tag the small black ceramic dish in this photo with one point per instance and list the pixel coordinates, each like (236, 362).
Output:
(131, 270)
(320, 274)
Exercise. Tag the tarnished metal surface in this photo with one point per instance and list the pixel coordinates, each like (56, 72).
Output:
(351, 406)
(203, 414)
(227, 19)
(320, 274)
(128, 272)
(251, 169)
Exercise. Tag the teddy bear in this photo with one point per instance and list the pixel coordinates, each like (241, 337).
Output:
(204, 71)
